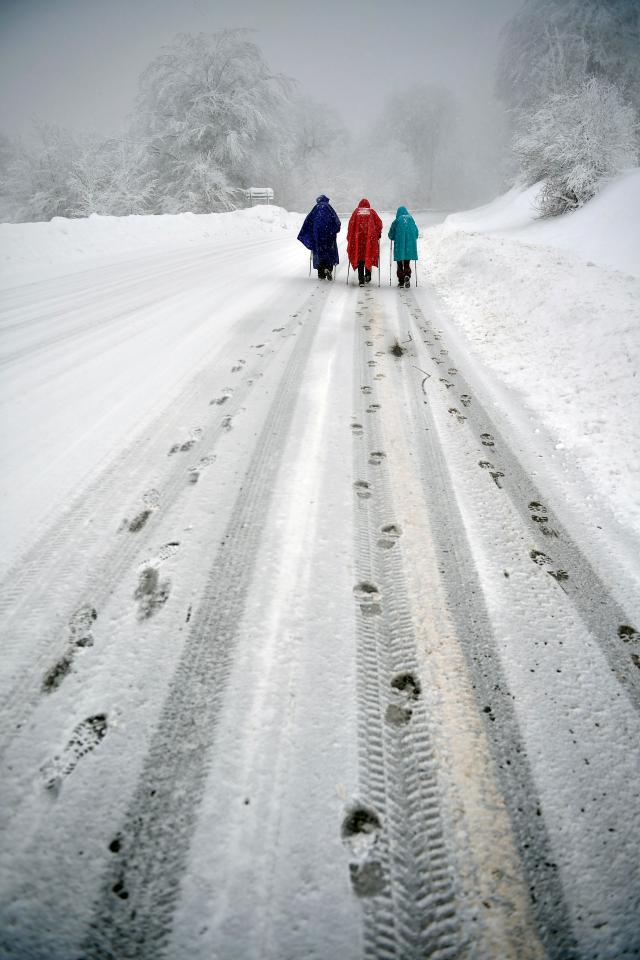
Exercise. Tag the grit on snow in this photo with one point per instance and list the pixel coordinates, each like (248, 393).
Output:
(314, 650)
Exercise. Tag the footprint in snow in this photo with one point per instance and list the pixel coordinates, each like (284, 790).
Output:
(362, 489)
(628, 634)
(495, 474)
(193, 473)
(187, 444)
(368, 596)
(166, 551)
(390, 534)
(85, 738)
(406, 688)
(539, 515)
(150, 593)
(80, 636)
(376, 458)
(360, 831)
(151, 500)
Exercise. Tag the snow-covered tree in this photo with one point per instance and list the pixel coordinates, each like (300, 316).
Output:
(553, 46)
(36, 184)
(574, 141)
(111, 177)
(208, 106)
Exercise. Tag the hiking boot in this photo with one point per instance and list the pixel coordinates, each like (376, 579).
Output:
(407, 282)
(328, 274)
(367, 276)
(361, 283)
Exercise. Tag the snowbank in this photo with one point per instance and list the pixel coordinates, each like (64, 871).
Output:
(560, 328)
(606, 230)
(37, 251)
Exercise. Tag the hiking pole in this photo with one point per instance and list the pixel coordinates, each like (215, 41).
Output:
(310, 256)
(415, 267)
(390, 260)
(348, 268)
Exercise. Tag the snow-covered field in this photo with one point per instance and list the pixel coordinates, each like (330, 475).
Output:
(311, 650)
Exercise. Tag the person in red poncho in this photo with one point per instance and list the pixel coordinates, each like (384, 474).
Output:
(363, 240)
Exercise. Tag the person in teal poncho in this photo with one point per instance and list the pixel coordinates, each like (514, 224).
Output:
(404, 233)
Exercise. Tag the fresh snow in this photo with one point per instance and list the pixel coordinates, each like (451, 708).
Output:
(606, 230)
(552, 309)
(310, 650)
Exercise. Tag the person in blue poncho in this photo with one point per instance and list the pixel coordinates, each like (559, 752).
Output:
(318, 234)
(404, 233)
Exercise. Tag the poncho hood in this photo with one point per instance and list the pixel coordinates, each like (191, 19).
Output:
(322, 199)
(364, 203)
(401, 211)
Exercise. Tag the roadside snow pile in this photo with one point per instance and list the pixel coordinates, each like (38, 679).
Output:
(606, 230)
(558, 330)
(41, 250)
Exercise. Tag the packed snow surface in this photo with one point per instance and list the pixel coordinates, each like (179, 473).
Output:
(319, 604)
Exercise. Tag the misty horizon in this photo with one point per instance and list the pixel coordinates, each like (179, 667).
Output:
(76, 65)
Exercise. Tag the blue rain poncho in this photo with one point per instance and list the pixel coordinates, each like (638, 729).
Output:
(318, 233)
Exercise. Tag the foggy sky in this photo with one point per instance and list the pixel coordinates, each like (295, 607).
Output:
(76, 62)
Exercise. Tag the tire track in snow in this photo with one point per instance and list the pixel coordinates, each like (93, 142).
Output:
(610, 625)
(24, 597)
(401, 867)
(127, 300)
(473, 627)
(133, 917)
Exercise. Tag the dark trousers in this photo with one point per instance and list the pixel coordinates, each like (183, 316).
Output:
(363, 275)
(404, 269)
(321, 269)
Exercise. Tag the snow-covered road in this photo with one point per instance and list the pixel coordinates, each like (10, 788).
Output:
(306, 653)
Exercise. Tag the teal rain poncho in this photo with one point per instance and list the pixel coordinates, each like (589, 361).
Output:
(404, 233)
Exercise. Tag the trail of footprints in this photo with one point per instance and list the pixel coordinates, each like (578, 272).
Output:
(538, 513)
(151, 594)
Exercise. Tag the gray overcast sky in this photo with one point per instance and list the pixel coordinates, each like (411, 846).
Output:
(76, 62)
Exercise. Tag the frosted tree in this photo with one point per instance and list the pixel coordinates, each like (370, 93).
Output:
(552, 46)
(208, 106)
(110, 177)
(576, 140)
(37, 184)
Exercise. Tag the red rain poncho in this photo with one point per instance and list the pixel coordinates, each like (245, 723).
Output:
(363, 237)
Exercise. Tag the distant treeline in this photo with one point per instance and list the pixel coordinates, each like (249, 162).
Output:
(211, 119)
